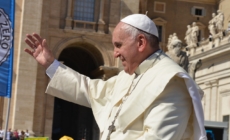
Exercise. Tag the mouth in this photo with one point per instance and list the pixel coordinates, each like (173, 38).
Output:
(122, 58)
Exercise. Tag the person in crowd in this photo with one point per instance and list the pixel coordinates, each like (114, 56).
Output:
(27, 134)
(15, 135)
(22, 136)
(1, 133)
(9, 134)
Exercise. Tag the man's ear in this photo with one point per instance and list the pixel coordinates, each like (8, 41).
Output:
(142, 42)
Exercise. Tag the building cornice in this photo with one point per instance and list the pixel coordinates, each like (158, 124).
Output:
(212, 2)
(213, 77)
(214, 52)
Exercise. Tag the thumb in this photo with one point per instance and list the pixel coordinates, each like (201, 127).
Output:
(44, 44)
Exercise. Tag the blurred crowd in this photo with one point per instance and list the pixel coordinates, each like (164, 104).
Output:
(14, 135)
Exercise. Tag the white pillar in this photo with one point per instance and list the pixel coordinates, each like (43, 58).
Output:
(207, 102)
(101, 15)
(101, 22)
(69, 18)
(214, 98)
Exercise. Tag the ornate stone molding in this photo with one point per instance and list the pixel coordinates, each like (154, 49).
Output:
(225, 92)
(200, 1)
(212, 83)
(212, 52)
(59, 47)
(207, 84)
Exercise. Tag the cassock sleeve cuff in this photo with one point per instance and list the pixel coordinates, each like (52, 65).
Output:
(50, 71)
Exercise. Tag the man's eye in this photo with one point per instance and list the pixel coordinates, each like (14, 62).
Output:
(117, 45)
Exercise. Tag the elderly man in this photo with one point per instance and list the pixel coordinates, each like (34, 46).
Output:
(151, 99)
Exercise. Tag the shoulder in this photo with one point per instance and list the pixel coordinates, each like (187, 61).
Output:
(167, 64)
(167, 68)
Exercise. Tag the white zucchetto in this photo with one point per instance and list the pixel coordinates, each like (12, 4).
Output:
(142, 22)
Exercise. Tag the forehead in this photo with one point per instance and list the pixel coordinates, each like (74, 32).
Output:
(119, 33)
(118, 28)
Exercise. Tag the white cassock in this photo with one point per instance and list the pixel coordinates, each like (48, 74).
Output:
(165, 103)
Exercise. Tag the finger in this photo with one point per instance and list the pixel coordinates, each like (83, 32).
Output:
(44, 44)
(30, 37)
(28, 51)
(30, 44)
(38, 37)
(37, 43)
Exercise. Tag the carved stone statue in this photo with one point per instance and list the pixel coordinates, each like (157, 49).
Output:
(176, 54)
(228, 29)
(180, 57)
(174, 37)
(193, 67)
(169, 42)
(194, 35)
(188, 35)
(212, 25)
(219, 21)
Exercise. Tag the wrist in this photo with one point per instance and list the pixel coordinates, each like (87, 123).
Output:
(48, 63)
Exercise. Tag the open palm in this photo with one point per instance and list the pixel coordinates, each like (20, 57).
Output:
(40, 50)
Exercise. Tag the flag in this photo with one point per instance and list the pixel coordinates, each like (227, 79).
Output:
(6, 46)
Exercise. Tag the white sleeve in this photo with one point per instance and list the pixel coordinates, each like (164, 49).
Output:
(52, 69)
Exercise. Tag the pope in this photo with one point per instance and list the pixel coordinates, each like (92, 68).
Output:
(151, 99)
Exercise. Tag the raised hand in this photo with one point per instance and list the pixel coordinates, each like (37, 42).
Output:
(40, 50)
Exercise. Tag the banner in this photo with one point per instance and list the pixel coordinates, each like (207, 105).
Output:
(6, 46)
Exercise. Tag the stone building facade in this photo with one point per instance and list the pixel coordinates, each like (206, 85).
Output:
(83, 42)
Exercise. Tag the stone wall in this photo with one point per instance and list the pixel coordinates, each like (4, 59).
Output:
(178, 15)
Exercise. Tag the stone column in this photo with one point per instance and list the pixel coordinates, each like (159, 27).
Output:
(69, 18)
(207, 102)
(214, 99)
(101, 22)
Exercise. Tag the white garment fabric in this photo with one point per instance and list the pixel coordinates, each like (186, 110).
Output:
(198, 123)
(1, 133)
(27, 134)
(52, 69)
(8, 133)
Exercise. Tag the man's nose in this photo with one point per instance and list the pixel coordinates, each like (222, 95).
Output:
(115, 53)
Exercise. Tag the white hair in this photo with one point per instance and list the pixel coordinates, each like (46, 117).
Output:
(134, 32)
